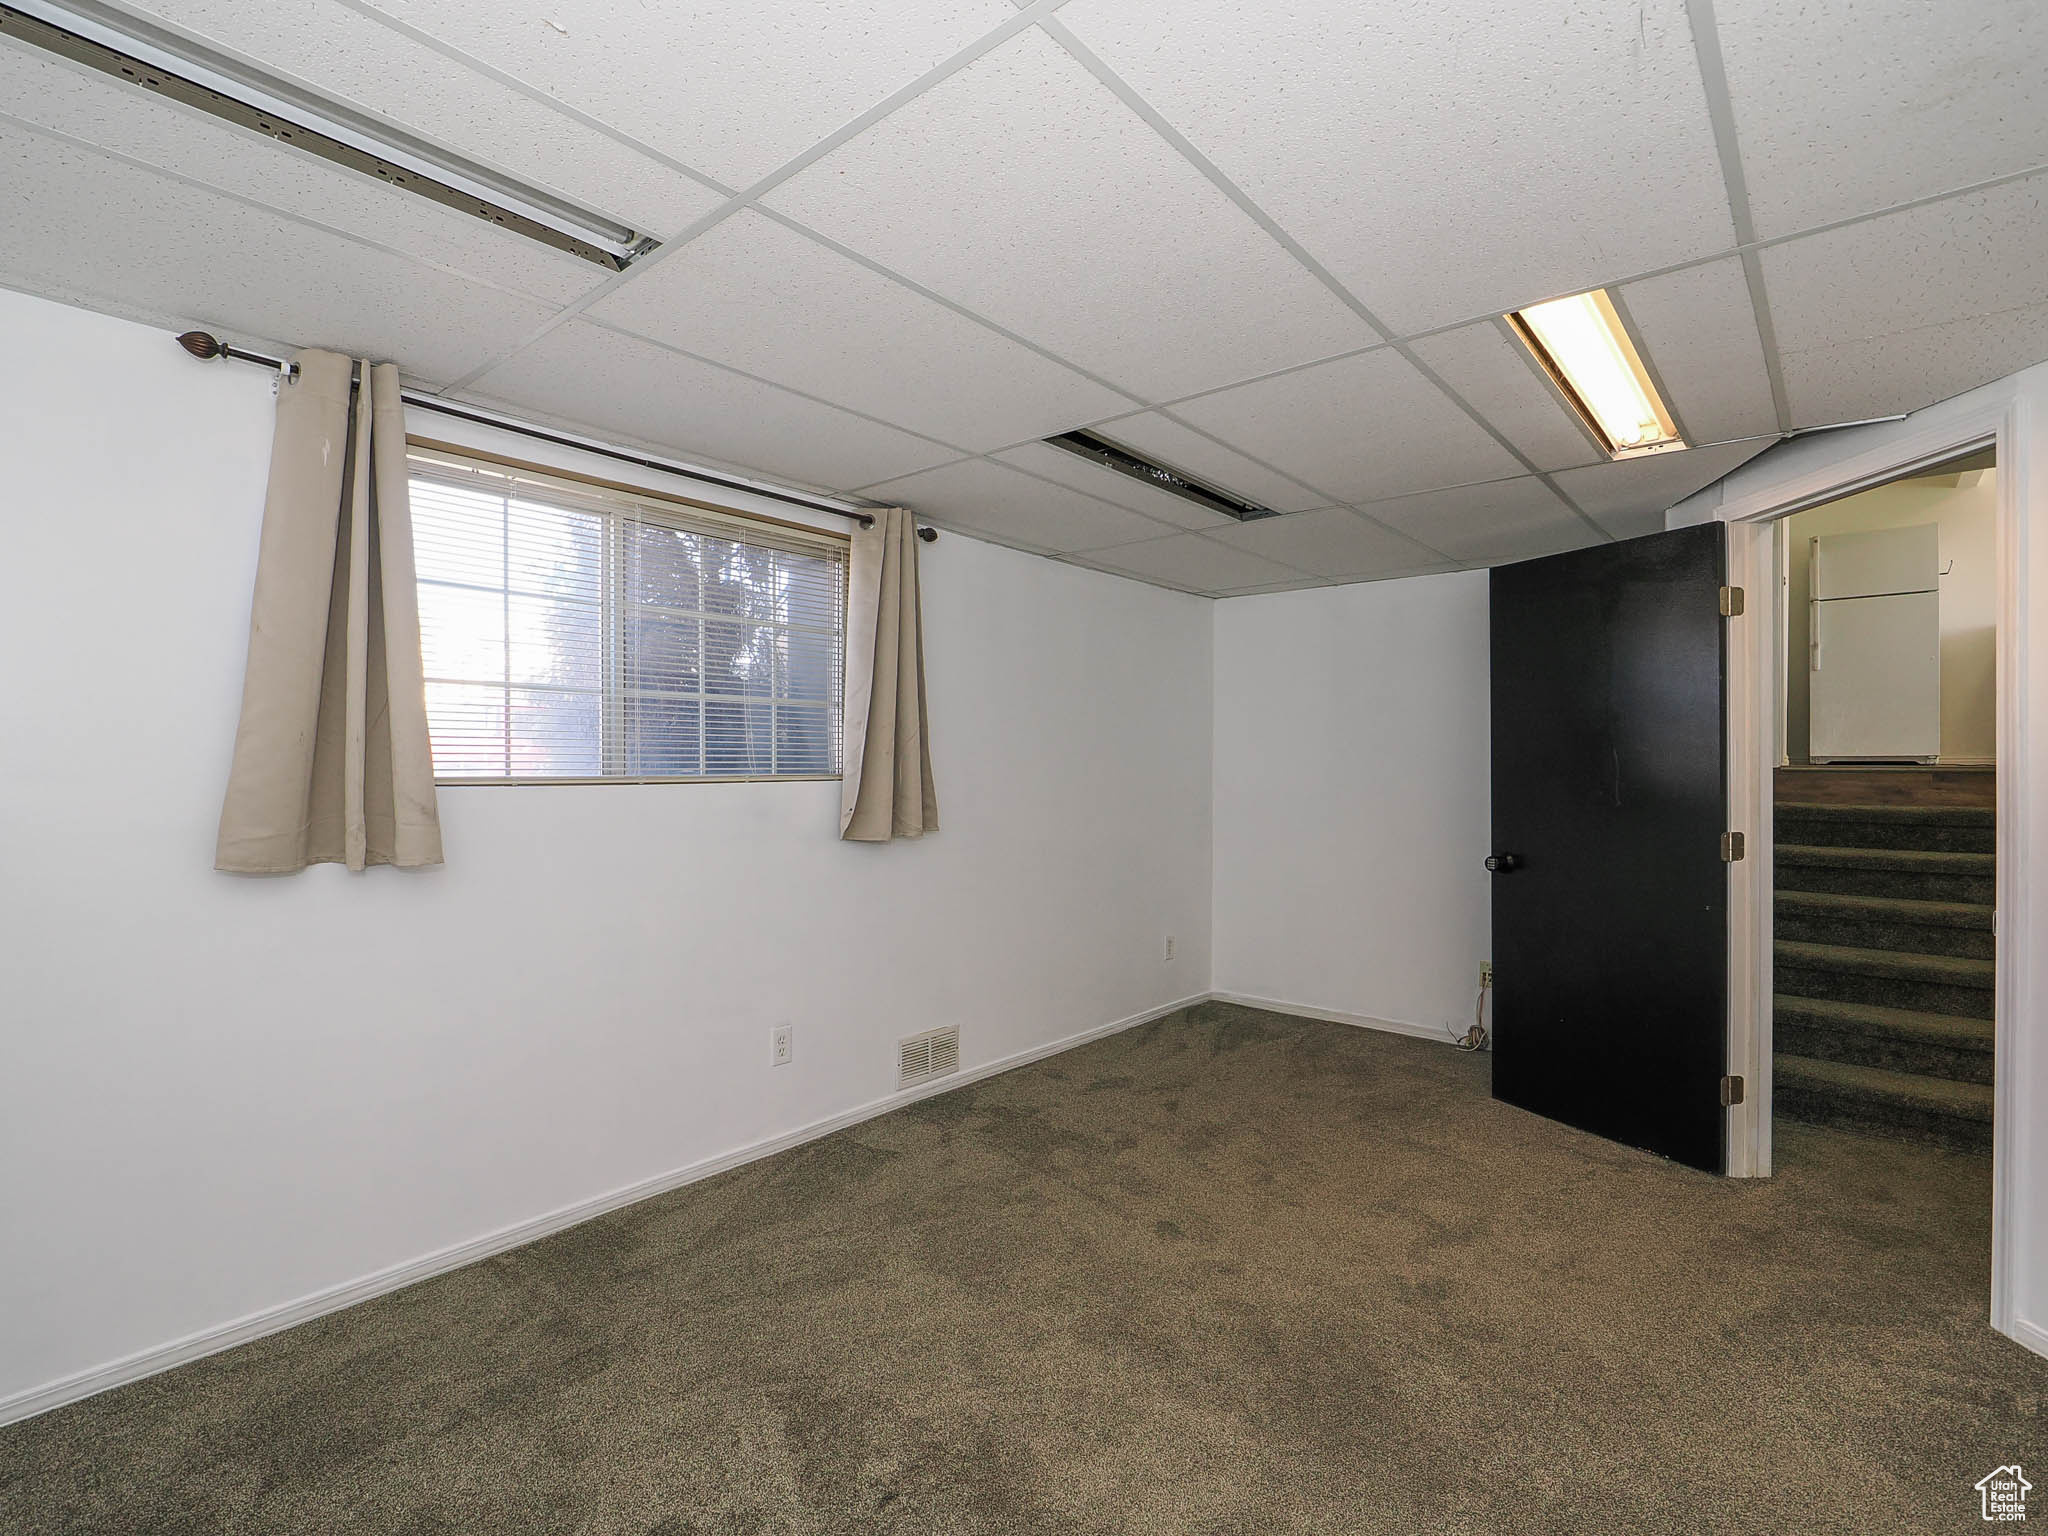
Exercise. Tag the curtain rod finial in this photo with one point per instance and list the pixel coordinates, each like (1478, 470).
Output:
(201, 345)
(928, 534)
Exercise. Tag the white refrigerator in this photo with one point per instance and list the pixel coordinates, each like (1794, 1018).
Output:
(1875, 646)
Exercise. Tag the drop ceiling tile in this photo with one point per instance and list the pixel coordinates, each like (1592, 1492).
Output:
(1630, 496)
(732, 88)
(1191, 562)
(346, 52)
(758, 296)
(984, 497)
(1332, 542)
(1698, 331)
(1023, 189)
(1179, 446)
(586, 373)
(82, 104)
(1549, 145)
(1094, 480)
(1358, 429)
(1498, 379)
(1502, 520)
(1302, 584)
(72, 221)
(1900, 311)
(1857, 105)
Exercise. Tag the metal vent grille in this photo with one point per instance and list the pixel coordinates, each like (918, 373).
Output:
(935, 1053)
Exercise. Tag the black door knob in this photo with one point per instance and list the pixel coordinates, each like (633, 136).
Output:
(1502, 863)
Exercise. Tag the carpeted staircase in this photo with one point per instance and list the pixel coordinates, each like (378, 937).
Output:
(1884, 969)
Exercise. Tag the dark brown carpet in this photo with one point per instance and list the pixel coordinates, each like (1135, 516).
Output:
(1232, 1272)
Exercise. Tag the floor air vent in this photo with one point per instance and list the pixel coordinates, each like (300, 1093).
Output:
(935, 1053)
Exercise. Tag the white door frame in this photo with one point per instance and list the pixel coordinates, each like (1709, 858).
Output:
(1755, 651)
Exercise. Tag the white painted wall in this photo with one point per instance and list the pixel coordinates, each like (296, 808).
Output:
(1966, 518)
(220, 1095)
(1809, 469)
(1352, 799)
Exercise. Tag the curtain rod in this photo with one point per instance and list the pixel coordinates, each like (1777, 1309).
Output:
(202, 344)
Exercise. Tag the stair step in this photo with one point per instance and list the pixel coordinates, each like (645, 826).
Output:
(1925, 983)
(1893, 1039)
(1926, 828)
(1886, 922)
(1906, 873)
(1883, 1103)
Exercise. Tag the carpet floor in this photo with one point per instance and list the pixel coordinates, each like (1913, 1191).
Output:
(1229, 1272)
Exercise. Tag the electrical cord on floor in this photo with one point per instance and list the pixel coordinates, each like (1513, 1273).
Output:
(1475, 1038)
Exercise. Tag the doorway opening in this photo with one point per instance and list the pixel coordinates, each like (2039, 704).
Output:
(1883, 939)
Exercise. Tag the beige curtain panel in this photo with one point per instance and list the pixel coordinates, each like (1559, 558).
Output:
(887, 788)
(332, 761)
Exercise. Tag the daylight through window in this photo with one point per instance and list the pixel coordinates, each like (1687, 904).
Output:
(570, 631)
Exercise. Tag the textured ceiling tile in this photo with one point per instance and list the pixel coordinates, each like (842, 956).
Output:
(1191, 562)
(1168, 442)
(1498, 379)
(732, 88)
(1357, 429)
(1901, 311)
(1446, 159)
(1023, 189)
(84, 104)
(1856, 105)
(763, 298)
(342, 52)
(1093, 479)
(1503, 520)
(1698, 330)
(1630, 496)
(72, 221)
(1015, 508)
(1332, 542)
(583, 372)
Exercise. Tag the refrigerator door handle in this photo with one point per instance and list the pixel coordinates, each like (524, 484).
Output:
(1813, 634)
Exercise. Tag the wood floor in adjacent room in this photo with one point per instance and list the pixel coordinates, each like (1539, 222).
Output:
(1229, 1272)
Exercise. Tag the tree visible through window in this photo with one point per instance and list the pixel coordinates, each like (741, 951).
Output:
(572, 633)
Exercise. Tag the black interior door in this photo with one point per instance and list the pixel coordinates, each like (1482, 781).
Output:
(1610, 795)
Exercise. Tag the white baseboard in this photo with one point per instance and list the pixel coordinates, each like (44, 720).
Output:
(2028, 1335)
(256, 1325)
(1434, 1032)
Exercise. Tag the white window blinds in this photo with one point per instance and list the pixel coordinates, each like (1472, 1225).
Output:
(571, 631)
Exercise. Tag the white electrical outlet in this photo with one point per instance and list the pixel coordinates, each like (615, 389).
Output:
(1169, 946)
(780, 1045)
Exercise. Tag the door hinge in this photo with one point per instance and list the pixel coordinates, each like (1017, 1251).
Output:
(1731, 1092)
(1732, 847)
(1731, 602)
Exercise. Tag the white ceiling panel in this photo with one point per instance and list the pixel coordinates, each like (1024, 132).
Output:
(1895, 312)
(1358, 429)
(1023, 189)
(1299, 584)
(345, 52)
(1630, 496)
(1549, 144)
(83, 104)
(1856, 105)
(760, 297)
(732, 88)
(1094, 480)
(1698, 330)
(585, 373)
(1180, 447)
(1498, 379)
(1484, 524)
(1191, 562)
(72, 221)
(1332, 542)
(1014, 508)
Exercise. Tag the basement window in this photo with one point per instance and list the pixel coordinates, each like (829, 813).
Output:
(577, 632)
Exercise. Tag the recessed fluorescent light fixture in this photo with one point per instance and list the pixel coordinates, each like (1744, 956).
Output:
(168, 64)
(1100, 450)
(1582, 344)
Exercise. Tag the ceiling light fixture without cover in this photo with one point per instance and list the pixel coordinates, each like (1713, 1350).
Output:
(1100, 450)
(1582, 345)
